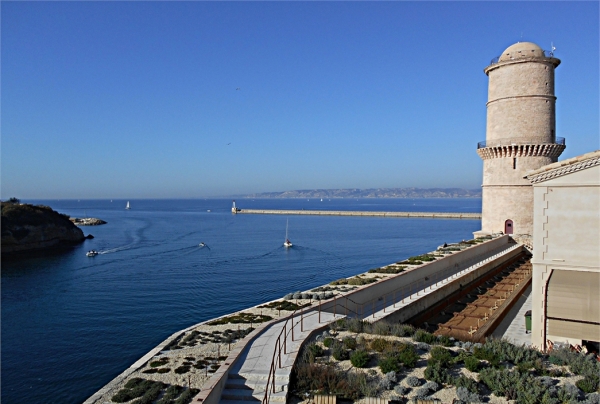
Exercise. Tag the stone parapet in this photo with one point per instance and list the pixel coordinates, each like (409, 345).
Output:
(552, 150)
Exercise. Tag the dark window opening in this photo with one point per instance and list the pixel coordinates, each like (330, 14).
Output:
(515, 163)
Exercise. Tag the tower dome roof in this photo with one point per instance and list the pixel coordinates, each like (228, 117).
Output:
(522, 50)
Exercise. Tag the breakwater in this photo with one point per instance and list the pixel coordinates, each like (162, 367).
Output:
(436, 215)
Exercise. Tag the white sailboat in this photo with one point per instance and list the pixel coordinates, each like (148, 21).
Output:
(287, 243)
(127, 207)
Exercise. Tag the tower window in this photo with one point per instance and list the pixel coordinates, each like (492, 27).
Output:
(514, 163)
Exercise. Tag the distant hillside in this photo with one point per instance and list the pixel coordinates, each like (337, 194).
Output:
(373, 193)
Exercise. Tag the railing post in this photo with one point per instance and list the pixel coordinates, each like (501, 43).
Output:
(394, 298)
(279, 348)
(292, 328)
(334, 305)
(319, 311)
(285, 338)
(373, 308)
(302, 320)
(384, 301)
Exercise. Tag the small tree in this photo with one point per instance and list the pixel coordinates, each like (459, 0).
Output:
(14, 200)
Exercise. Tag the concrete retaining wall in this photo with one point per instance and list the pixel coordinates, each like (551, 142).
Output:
(431, 299)
(377, 294)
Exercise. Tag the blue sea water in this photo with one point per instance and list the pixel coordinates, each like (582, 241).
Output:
(71, 323)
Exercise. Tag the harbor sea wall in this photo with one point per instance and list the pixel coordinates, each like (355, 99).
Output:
(437, 215)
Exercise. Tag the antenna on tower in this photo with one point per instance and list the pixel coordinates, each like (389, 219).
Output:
(552, 48)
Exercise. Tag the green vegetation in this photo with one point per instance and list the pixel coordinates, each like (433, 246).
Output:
(244, 318)
(137, 387)
(357, 281)
(390, 269)
(359, 358)
(283, 305)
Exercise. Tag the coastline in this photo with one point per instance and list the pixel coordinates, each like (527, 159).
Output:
(226, 354)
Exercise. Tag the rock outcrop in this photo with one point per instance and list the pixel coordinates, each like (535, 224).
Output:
(87, 221)
(34, 227)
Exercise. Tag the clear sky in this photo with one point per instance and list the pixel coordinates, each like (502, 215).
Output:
(201, 99)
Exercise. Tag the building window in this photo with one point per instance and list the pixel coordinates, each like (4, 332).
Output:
(514, 163)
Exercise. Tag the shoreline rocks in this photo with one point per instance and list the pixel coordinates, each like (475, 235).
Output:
(86, 221)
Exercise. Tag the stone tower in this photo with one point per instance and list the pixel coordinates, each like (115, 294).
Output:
(520, 135)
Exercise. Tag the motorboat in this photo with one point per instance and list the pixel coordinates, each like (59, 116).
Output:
(287, 243)
(91, 253)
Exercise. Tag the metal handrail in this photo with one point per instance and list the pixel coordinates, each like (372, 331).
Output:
(518, 142)
(271, 380)
(426, 282)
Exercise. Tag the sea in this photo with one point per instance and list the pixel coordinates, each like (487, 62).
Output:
(71, 323)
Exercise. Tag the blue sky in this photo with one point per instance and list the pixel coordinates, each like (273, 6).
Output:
(140, 99)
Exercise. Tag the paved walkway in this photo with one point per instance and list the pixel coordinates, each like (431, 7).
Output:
(512, 327)
(248, 379)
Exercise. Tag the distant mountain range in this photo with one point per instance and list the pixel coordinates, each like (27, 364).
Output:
(372, 193)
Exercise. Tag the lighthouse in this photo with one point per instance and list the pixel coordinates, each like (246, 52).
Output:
(520, 136)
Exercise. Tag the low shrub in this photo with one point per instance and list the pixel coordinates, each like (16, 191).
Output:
(182, 369)
(349, 343)
(327, 380)
(403, 330)
(424, 336)
(588, 384)
(390, 269)
(359, 358)
(339, 352)
(486, 355)
(407, 354)
(437, 373)
(440, 355)
(285, 305)
(422, 346)
(467, 396)
(390, 364)
(151, 394)
(355, 325)
(171, 394)
(432, 386)
(568, 393)
(135, 388)
(472, 364)
(328, 342)
(242, 318)
(466, 382)
(315, 350)
(401, 390)
(413, 381)
(379, 344)
(163, 370)
(381, 328)
(391, 376)
(422, 393)
(187, 396)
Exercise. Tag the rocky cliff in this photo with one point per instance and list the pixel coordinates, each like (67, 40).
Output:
(28, 227)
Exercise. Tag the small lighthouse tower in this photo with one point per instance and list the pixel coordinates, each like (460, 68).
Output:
(520, 135)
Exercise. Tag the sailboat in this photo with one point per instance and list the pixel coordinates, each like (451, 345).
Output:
(127, 207)
(287, 243)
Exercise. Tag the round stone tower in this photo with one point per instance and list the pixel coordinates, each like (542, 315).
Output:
(520, 135)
